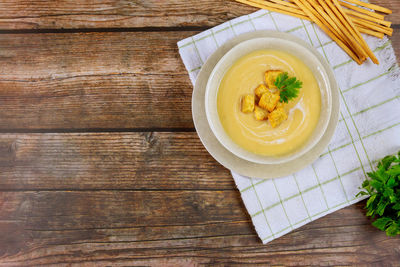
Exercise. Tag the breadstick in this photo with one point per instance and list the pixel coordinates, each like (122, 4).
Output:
(340, 32)
(301, 16)
(362, 10)
(373, 26)
(367, 5)
(331, 26)
(349, 24)
(353, 42)
(327, 31)
(363, 25)
(370, 6)
(363, 16)
(266, 5)
(370, 32)
(274, 5)
(356, 15)
(285, 3)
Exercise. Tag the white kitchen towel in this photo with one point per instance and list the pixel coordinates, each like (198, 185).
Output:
(369, 126)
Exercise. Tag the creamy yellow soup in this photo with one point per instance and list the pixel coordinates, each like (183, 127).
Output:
(258, 136)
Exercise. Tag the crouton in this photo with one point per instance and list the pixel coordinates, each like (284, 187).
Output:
(270, 77)
(248, 103)
(260, 114)
(277, 116)
(268, 101)
(260, 90)
(280, 105)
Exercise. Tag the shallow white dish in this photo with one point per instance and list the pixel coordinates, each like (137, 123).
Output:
(297, 48)
(228, 159)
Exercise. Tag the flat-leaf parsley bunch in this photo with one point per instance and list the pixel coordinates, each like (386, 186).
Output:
(384, 191)
(288, 86)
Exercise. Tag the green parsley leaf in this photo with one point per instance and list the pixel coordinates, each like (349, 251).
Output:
(396, 206)
(362, 193)
(288, 86)
(371, 200)
(383, 187)
(381, 223)
(394, 171)
(393, 229)
(386, 161)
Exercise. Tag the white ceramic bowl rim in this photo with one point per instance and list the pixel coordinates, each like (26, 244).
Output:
(291, 45)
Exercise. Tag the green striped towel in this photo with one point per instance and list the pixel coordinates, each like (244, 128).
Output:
(369, 126)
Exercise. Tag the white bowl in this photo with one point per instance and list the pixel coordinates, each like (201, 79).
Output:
(291, 45)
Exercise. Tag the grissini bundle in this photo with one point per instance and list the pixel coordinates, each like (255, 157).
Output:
(342, 20)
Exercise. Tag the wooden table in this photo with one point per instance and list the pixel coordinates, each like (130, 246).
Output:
(99, 160)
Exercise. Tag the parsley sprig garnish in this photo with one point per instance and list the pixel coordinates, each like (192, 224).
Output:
(288, 87)
(384, 191)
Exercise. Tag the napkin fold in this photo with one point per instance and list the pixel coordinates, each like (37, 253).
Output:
(369, 126)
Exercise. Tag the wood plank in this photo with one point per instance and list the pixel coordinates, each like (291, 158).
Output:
(96, 80)
(134, 161)
(174, 228)
(93, 80)
(39, 14)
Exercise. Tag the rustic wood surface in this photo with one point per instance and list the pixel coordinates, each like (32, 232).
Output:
(46, 14)
(99, 161)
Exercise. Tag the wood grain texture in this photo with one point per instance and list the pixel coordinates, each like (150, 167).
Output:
(47, 14)
(109, 161)
(93, 80)
(138, 197)
(150, 198)
(174, 228)
(96, 80)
